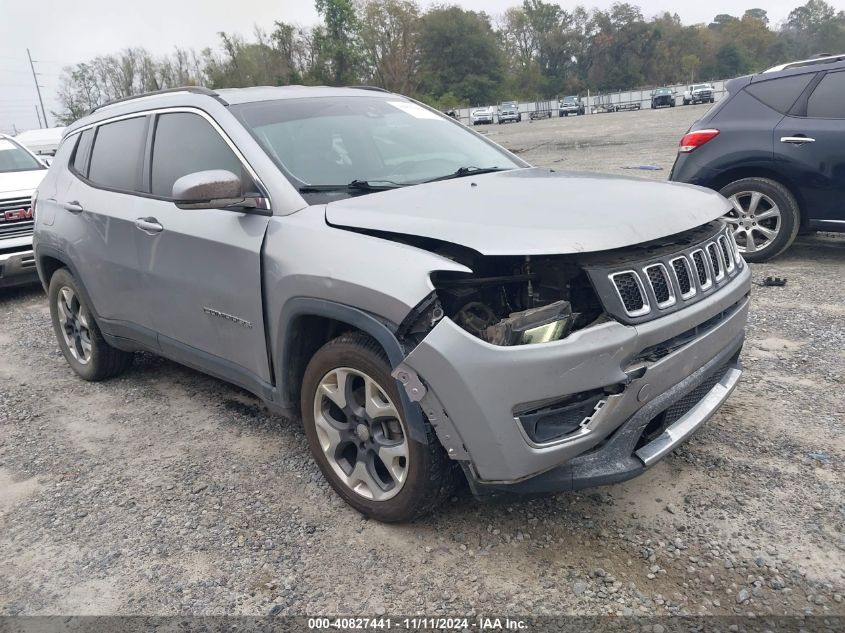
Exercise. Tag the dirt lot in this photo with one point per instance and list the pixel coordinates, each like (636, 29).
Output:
(168, 492)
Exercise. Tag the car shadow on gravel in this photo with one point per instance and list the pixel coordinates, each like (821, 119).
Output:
(814, 247)
(21, 293)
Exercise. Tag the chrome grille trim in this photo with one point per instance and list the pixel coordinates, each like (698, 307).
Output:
(730, 262)
(735, 249)
(646, 308)
(15, 228)
(700, 266)
(15, 203)
(690, 276)
(666, 280)
(714, 254)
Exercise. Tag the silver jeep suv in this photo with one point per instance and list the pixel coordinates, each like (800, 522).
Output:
(432, 306)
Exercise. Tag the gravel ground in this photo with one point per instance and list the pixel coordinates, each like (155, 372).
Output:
(165, 491)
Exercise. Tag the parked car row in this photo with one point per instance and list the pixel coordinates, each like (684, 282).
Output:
(508, 111)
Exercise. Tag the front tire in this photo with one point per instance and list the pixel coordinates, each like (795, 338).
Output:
(359, 435)
(79, 336)
(765, 217)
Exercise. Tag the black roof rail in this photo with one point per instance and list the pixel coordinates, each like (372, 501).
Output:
(373, 88)
(194, 89)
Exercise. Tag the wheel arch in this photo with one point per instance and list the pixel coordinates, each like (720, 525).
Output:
(308, 323)
(48, 260)
(725, 178)
(47, 266)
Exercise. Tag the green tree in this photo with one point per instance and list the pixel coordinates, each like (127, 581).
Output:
(459, 53)
(389, 31)
(730, 60)
(815, 28)
(721, 21)
(689, 65)
(338, 43)
(757, 14)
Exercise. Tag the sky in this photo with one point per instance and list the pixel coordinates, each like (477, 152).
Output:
(59, 33)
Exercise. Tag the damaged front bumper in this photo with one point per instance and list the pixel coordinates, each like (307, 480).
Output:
(473, 392)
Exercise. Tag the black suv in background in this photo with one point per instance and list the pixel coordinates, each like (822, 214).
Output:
(775, 147)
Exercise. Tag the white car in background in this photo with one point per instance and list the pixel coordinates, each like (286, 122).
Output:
(484, 116)
(21, 172)
(43, 142)
(699, 93)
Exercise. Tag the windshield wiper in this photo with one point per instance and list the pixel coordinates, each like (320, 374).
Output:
(355, 185)
(467, 171)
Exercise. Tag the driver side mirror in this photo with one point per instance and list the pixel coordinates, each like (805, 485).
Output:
(211, 189)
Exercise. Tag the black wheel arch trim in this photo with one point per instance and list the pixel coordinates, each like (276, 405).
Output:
(43, 251)
(357, 318)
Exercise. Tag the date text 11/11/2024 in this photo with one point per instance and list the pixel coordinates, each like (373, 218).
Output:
(419, 623)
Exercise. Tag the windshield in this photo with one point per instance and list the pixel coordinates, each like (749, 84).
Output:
(15, 158)
(337, 140)
(662, 91)
(570, 99)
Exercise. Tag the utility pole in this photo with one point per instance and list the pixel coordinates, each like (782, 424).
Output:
(38, 116)
(37, 89)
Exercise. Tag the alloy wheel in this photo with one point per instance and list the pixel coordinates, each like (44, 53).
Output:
(755, 220)
(360, 430)
(74, 325)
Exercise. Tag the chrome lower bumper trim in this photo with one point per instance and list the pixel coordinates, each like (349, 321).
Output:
(4, 257)
(691, 420)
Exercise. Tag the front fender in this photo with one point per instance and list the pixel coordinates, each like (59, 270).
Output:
(379, 330)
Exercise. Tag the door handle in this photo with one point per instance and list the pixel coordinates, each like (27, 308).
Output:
(797, 140)
(73, 206)
(149, 225)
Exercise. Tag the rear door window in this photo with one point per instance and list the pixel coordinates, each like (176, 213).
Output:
(780, 94)
(186, 143)
(118, 154)
(828, 99)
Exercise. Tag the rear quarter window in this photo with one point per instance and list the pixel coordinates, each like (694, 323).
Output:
(80, 154)
(780, 94)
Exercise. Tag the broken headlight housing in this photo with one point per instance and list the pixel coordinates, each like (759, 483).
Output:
(508, 301)
(537, 325)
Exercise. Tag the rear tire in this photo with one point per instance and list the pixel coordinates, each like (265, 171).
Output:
(765, 218)
(78, 335)
(364, 448)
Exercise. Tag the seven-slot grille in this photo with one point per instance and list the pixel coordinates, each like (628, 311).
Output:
(669, 282)
(15, 228)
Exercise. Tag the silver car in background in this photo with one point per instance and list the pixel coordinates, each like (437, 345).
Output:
(434, 308)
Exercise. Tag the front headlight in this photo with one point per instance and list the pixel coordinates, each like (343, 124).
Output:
(545, 333)
(538, 325)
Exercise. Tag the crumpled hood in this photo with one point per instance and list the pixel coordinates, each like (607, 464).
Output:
(534, 211)
(20, 182)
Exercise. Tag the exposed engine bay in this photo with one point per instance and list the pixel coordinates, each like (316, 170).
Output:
(510, 300)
